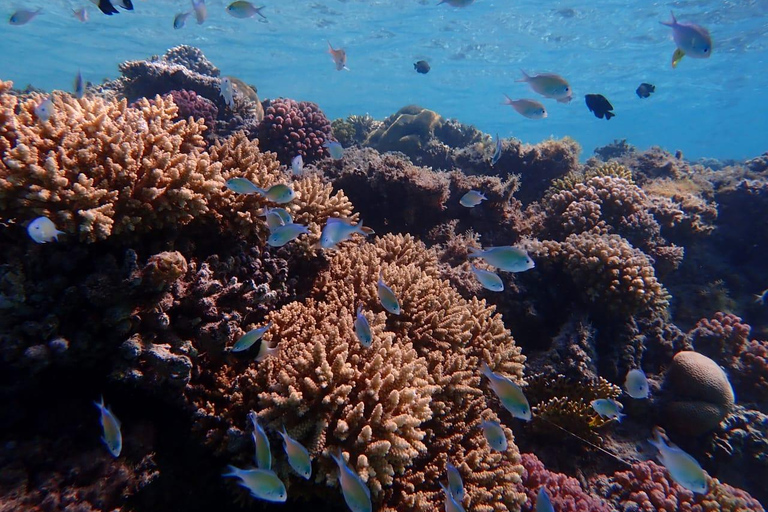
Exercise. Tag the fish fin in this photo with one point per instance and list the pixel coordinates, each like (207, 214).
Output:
(609, 115)
(366, 230)
(474, 252)
(330, 48)
(677, 57)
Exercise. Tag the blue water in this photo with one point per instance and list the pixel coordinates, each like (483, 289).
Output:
(706, 108)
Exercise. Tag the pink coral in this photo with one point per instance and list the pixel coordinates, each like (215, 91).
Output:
(754, 361)
(645, 487)
(291, 128)
(722, 338)
(192, 105)
(564, 491)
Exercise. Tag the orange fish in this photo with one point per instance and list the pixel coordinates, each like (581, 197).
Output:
(339, 57)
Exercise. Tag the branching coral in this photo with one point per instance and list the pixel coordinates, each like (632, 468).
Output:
(291, 128)
(721, 338)
(646, 488)
(402, 408)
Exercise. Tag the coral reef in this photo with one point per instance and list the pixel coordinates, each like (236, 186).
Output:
(197, 107)
(699, 394)
(354, 130)
(291, 128)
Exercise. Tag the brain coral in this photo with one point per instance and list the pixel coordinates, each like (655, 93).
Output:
(291, 128)
(400, 409)
(646, 488)
(700, 395)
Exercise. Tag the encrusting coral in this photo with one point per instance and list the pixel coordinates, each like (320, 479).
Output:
(400, 409)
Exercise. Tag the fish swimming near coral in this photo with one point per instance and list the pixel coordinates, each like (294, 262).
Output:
(509, 393)
(356, 493)
(691, 39)
(265, 351)
(242, 9)
(487, 279)
(334, 149)
(338, 230)
(23, 16)
(298, 456)
(276, 217)
(636, 384)
(452, 503)
(248, 339)
(497, 152)
(181, 19)
(363, 328)
(495, 435)
(42, 230)
(261, 442)
(227, 91)
(549, 85)
(531, 109)
(472, 199)
(242, 186)
(44, 109)
(608, 408)
(284, 234)
(110, 425)
(387, 297)
(261, 483)
(297, 165)
(645, 90)
(507, 258)
(339, 57)
(421, 67)
(600, 106)
(79, 85)
(455, 483)
(279, 193)
(543, 502)
(682, 468)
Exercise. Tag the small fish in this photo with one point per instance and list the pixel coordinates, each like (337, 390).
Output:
(201, 11)
(262, 484)
(334, 149)
(683, 468)
(549, 85)
(363, 328)
(487, 279)
(298, 456)
(338, 230)
(387, 297)
(242, 9)
(636, 384)
(509, 393)
(508, 258)
(456, 3)
(181, 19)
(81, 14)
(106, 7)
(279, 193)
(276, 217)
(644, 90)
(242, 186)
(543, 503)
(691, 39)
(297, 165)
(451, 503)
(79, 85)
(497, 153)
(421, 67)
(23, 16)
(527, 108)
(284, 234)
(124, 4)
(495, 435)
(600, 106)
(608, 408)
(762, 298)
(44, 109)
(265, 351)
(42, 230)
(247, 340)
(356, 493)
(455, 484)
(261, 442)
(112, 437)
(339, 57)
(227, 91)
(472, 199)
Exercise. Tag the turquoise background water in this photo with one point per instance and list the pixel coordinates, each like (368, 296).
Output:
(706, 108)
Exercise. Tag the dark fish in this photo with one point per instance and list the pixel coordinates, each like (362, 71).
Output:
(645, 90)
(600, 106)
(107, 8)
(421, 67)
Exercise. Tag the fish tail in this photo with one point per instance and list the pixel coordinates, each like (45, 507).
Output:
(609, 115)
(100, 403)
(232, 471)
(670, 23)
(508, 101)
(330, 48)
(525, 77)
(486, 370)
(474, 253)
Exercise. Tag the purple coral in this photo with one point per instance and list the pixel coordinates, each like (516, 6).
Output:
(291, 128)
(193, 105)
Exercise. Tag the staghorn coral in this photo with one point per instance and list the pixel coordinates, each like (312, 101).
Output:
(699, 394)
(604, 270)
(291, 128)
(565, 492)
(399, 409)
(566, 403)
(646, 488)
(197, 107)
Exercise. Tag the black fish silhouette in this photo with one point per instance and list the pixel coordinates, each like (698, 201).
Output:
(422, 67)
(645, 90)
(600, 106)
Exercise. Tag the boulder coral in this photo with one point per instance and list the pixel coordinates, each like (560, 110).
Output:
(400, 409)
(291, 128)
